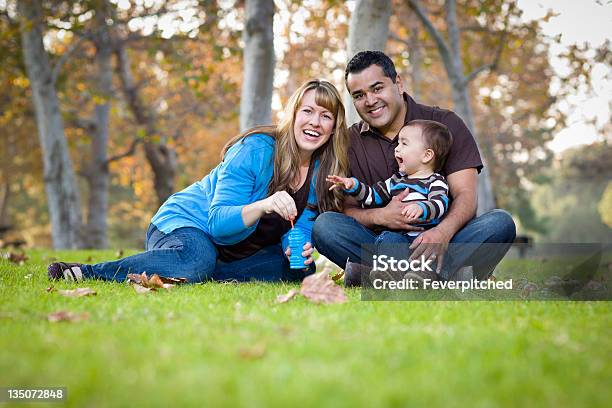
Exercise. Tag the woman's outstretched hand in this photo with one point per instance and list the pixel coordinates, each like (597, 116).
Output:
(346, 182)
(282, 204)
(307, 253)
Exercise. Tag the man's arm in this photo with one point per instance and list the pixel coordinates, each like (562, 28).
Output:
(389, 216)
(463, 186)
(464, 190)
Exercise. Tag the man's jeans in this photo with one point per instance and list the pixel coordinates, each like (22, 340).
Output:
(340, 237)
(190, 253)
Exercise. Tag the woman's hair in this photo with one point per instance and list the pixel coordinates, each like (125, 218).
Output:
(332, 155)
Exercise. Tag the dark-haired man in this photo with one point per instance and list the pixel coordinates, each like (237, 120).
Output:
(379, 98)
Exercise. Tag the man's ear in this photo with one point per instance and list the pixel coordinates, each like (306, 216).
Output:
(399, 83)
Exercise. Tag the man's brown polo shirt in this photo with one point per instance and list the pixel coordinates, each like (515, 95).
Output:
(371, 154)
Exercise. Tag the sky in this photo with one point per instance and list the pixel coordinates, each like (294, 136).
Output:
(579, 21)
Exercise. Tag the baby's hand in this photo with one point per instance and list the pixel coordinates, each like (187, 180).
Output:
(412, 211)
(347, 183)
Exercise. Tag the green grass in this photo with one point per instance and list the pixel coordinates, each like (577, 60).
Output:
(226, 344)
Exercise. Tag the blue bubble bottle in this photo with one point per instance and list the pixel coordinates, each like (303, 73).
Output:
(297, 240)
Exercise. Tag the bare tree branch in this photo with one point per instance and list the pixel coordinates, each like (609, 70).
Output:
(130, 151)
(445, 52)
(486, 67)
(500, 48)
(89, 125)
(452, 26)
(65, 56)
(394, 37)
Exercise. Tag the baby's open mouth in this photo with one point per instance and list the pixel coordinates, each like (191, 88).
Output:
(399, 160)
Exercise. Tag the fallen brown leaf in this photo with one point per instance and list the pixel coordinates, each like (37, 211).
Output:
(320, 288)
(67, 316)
(252, 353)
(155, 282)
(338, 276)
(78, 292)
(51, 289)
(18, 258)
(137, 278)
(287, 296)
(174, 281)
(89, 259)
(140, 289)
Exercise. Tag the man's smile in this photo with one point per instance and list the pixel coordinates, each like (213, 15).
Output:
(376, 112)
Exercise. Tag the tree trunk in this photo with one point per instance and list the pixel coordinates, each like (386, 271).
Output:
(416, 60)
(5, 192)
(368, 30)
(60, 184)
(258, 36)
(461, 100)
(96, 173)
(453, 64)
(161, 158)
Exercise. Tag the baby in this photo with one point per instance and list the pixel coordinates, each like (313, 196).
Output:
(421, 152)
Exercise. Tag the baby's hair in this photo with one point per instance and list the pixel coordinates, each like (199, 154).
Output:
(436, 137)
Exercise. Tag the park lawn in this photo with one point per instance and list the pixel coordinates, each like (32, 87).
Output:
(231, 344)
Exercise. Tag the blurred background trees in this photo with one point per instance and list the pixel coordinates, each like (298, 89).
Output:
(147, 93)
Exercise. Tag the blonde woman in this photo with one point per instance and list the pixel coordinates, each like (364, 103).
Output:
(233, 224)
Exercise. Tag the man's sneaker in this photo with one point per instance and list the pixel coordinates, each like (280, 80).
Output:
(67, 271)
(420, 276)
(353, 273)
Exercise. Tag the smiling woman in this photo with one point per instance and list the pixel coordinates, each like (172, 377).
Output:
(234, 223)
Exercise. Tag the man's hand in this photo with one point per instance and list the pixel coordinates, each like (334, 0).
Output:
(392, 216)
(432, 245)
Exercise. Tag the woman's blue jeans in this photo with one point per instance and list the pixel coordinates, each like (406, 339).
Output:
(190, 253)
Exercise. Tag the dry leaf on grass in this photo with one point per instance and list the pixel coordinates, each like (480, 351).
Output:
(155, 282)
(78, 292)
(18, 258)
(287, 296)
(320, 288)
(142, 283)
(252, 353)
(338, 276)
(51, 289)
(173, 281)
(137, 278)
(67, 316)
(140, 289)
